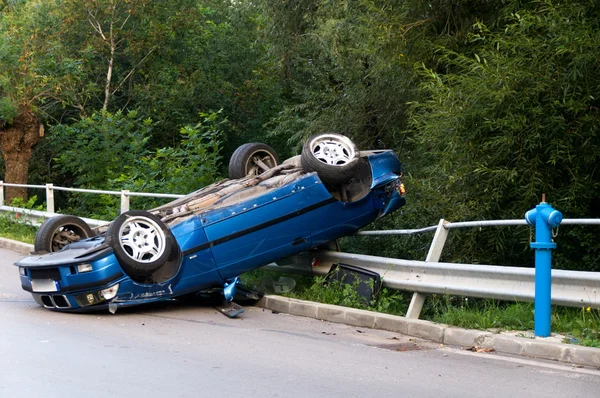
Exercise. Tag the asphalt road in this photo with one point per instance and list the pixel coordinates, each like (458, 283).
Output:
(173, 350)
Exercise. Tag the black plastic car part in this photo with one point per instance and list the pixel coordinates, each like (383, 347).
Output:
(366, 282)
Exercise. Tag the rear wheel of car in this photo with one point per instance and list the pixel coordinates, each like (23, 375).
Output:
(57, 232)
(252, 159)
(334, 157)
(141, 241)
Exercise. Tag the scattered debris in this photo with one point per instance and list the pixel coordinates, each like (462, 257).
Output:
(479, 349)
(230, 310)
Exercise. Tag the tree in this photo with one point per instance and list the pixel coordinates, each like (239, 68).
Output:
(24, 85)
(170, 60)
(104, 33)
(348, 66)
(515, 117)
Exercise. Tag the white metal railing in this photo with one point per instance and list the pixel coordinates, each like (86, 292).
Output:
(50, 188)
(37, 217)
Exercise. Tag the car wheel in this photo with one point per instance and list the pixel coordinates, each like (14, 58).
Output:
(252, 159)
(141, 241)
(334, 157)
(57, 232)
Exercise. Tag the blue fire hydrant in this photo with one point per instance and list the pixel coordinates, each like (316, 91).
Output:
(543, 218)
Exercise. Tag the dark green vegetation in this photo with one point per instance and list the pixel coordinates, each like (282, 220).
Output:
(490, 103)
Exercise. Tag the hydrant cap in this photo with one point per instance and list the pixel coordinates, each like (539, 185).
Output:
(555, 218)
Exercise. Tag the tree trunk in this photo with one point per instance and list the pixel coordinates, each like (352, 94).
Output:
(18, 140)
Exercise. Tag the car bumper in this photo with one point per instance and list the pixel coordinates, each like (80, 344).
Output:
(58, 281)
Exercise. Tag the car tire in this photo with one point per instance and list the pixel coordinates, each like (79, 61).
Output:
(141, 241)
(57, 232)
(334, 157)
(247, 159)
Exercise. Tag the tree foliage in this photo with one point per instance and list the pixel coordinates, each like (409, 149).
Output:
(516, 116)
(111, 152)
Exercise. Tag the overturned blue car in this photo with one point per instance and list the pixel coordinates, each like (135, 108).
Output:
(266, 211)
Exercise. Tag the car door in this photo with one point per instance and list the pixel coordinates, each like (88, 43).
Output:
(266, 228)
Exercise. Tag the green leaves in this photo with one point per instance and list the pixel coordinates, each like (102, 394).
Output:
(8, 109)
(101, 147)
(520, 124)
(192, 164)
(111, 151)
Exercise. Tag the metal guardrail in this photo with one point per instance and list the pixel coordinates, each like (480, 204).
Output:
(569, 288)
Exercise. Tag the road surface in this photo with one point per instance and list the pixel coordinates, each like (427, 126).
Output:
(173, 350)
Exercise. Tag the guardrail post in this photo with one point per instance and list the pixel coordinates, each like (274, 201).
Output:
(543, 218)
(124, 200)
(435, 252)
(50, 198)
(1, 193)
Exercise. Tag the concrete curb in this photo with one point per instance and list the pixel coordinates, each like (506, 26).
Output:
(520, 344)
(16, 246)
(509, 344)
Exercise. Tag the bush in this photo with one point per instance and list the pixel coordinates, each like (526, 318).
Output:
(110, 152)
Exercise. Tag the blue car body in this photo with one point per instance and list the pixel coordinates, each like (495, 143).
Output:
(221, 241)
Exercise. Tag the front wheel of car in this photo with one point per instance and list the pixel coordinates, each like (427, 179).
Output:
(334, 157)
(57, 232)
(252, 159)
(141, 241)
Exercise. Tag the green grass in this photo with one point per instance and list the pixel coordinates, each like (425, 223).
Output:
(478, 313)
(580, 325)
(12, 227)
